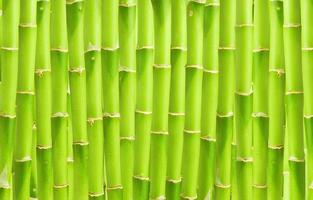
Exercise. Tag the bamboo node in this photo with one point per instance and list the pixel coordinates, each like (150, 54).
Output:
(279, 72)
(259, 114)
(162, 66)
(59, 114)
(213, 4)
(182, 48)
(9, 48)
(127, 69)
(59, 49)
(295, 159)
(40, 72)
(142, 178)
(1, 12)
(78, 70)
(311, 186)
(143, 112)
(111, 115)
(260, 49)
(130, 138)
(210, 71)
(198, 1)
(195, 66)
(244, 159)
(145, 47)
(176, 113)
(243, 25)
(171, 180)
(227, 48)
(159, 132)
(188, 197)
(292, 25)
(244, 93)
(127, 4)
(115, 187)
(192, 131)
(308, 116)
(26, 92)
(96, 194)
(158, 198)
(92, 120)
(80, 143)
(27, 25)
(61, 186)
(259, 186)
(92, 47)
(24, 159)
(70, 159)
(208, 138)
(43, 147)
(73, 1)
(294, 92)
(110, 48)
(222, 186)
(224, 115)
(307, 49)
(4, 115)
(276, 147)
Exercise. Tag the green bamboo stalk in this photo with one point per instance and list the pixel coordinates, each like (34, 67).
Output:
(70, 159)
(307, 58)
(8, 86)
(243, 97)
(177, 99)
(110, 86)
(260, 98)
(25, 99)
(59, 82)
(143, 99)
(234, 185)
(127, 53)
(43, 102)
(1, 12)
(286, 192)
(276, 109)
(209, 99)
(33, 177)
(225, 115)
(191, 144)
(161, 95)
(77, 77)
(294, 98)
(94, 98)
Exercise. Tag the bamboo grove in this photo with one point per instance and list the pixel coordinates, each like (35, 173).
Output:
(156, 99)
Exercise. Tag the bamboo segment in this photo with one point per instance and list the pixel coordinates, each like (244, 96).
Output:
(8, 86)
(33, 176)
(294, 98)
(226, 61)
(260, 98)
(243, 97)
(25, 100)
(161, 93)
(43, 102)
(77, 77)
(276, 107)
(110, 86)
(1, 12)
(209, 99)
(143, 100)
(127, 53)
(177, 99)
(307, 59)
(191, 144)
(59, 82)
(94, 98)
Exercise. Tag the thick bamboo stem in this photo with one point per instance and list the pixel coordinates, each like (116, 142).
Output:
(43, 102)
(294, 98)
(110, 86)
(25, 99)
(143, 99)
(276, 107)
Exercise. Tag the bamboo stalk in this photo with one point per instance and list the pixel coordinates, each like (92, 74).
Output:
(70, 159)
(143, 99)
(209, 99)
(25, 100)
(161, 95)
(77, 77)
(127, 74)
(177, 99)
(243, 97)
(8, 86)
(94, 98)
(1, 12)
(33, 177)
(225, 116)
(307, 58)
(260, 98)
(294, 98)
(59, 82)
(110, 86)
(276, 109)
(234, 182)
(43, 102)
(194, 67)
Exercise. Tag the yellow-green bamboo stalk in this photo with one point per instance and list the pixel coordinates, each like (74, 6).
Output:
(1, 12)
(25, 99)
(276, 109)
(209, 99)
(294, 98)
(33, 177)
(110, 88)
(260, 98)
(59, 82)
(177, 99)
(192, 128)
(70, 159)
(144, 71)
(8, 86)
(161, 93)
(225, 107)
(92, 38)
(127, 53)
(243, 97)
